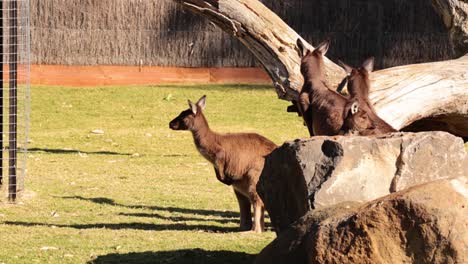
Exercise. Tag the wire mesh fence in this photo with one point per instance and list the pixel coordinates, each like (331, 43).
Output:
(14, 93)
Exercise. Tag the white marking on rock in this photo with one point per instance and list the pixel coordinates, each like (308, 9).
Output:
(459, 185)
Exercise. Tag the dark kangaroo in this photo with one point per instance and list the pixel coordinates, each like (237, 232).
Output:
(366, 121)
(324, 110)
(238, 160)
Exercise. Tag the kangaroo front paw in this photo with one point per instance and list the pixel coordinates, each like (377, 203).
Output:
(227, 181)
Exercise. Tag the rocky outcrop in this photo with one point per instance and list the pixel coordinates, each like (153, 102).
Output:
(422, 224)
(324, 171)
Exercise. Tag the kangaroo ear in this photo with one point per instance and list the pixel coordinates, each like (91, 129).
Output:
(368, 64)
(348, 69)
(323, 47)
(302, 49)
(193, 107)
(202, 102)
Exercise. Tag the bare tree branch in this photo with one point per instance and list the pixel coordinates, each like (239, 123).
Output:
(434, 93)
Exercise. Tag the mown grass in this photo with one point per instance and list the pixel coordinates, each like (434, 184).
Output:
(139, 193)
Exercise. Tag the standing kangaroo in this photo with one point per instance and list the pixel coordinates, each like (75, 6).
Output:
(366, 122)
(238, 160)
(324, 110)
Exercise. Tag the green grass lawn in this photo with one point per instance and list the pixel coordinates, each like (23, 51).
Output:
(139, 193)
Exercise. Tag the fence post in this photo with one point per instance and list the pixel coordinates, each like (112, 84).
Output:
(1, 92)
(13, 77)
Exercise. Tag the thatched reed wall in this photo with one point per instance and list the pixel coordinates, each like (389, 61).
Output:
(20, 30)
(158, 32)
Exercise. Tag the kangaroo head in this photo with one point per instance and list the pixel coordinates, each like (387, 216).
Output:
(358, 79)
(357, 120)
(187, 118)
(312, 61)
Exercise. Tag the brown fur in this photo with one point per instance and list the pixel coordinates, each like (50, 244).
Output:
(357, 121)
(323, 109)
(238, 160)
(358, 88)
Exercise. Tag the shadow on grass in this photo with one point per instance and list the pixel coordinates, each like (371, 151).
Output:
(185, 256)
(174, 155)
(103, 200)
(134, 226)
(74, 151)
(180, 218)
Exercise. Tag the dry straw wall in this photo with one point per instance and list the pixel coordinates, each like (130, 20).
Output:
(160, 33)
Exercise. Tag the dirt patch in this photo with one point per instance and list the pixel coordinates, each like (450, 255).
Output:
(102, 75)
(22, 197)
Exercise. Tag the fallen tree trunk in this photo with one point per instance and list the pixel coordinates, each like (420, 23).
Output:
(431, 96)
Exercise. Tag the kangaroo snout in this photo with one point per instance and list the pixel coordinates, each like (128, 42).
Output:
(173, 125)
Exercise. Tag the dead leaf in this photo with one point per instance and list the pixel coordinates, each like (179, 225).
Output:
(98, 131)
(48, 248)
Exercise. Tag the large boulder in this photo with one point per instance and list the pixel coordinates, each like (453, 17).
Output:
(422, 224)
(323, 171)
